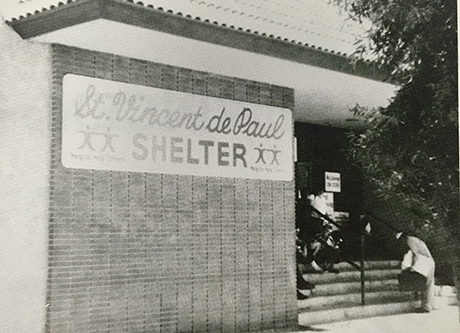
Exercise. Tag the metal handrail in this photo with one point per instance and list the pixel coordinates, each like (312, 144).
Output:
(351, 262)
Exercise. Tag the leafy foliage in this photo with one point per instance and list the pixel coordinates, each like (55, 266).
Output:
(410, 149)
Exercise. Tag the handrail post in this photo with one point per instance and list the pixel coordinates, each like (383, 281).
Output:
(363, 301)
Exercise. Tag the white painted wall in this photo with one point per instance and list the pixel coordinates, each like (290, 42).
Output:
(25, 141)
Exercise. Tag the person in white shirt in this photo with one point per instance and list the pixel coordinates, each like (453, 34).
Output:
(419, 259)
(318, 227)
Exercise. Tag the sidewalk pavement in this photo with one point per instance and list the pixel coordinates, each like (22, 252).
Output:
(443, 320)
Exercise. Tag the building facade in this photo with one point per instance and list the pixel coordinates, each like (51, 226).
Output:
(147, 194)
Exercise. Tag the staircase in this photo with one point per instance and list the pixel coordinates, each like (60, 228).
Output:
(337, 297)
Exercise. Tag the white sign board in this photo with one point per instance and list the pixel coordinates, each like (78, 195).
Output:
(329, 199)
(341, 217)
(110, 125)
(332, 182)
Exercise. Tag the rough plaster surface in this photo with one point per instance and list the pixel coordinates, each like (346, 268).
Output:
(25, 136)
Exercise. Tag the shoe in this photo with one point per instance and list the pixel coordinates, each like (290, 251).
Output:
(316, 267)
(301, 296)
(302, 285)
(422, 310)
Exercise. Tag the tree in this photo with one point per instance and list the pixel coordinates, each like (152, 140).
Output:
(410, 149)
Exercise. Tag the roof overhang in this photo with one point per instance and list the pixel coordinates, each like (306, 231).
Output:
(326, 84)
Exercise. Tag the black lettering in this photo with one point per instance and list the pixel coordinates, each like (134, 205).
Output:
(164, 112)
(190, 159)
(206, 144)
(225, 125)
(133, 109)
(119, 100)
(221, 153)
(259, 132)
(173, 119)
(147, 111)
(239, 155)
(251, 129)
(176, 149)
(156, 147)
(90, 109)
(278, 124)
(241, 120)
(195, 118)
(145, 152)
(218, 127)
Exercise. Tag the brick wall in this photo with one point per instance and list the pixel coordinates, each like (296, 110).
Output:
(144, 252)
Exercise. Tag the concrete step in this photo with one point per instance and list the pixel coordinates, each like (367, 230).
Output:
(351, 276)
(318, 303)
(371, 265)
(354, 287)
(337, 297)
(368, 265)
(309, 318)
(388, 264)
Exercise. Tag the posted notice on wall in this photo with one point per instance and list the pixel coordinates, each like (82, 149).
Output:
(332, 182)
(109, 125)
(329, 199)
(341, 217)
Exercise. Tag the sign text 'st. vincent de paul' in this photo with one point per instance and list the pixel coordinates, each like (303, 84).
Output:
(110, 125)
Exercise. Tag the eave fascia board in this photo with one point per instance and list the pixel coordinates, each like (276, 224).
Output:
(82, 11)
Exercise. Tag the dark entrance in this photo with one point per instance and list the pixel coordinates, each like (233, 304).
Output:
(322, 149)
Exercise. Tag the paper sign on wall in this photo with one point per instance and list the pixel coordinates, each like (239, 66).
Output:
(329, 199)
(332, 182)
(341, 217)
